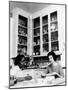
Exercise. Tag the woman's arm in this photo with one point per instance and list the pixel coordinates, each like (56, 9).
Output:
(61, 71)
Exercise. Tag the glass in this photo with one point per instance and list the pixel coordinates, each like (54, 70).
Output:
(54, 26)
(45, 19)
(22, 49)
(37, 32)
(54, 36)
(22, 31)
(45, 38)
(46, 47)
(36, 22)
(53, 16)
(55, 46)
(22, 20)
(45, 29)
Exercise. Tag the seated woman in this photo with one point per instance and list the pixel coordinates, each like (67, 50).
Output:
(16, 74)
(54, 68)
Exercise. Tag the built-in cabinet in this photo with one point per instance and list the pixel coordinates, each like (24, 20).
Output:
(49, 34)
(40, 32)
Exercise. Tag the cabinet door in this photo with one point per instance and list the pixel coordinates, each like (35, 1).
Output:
(36, 36)
(50, 32)
(45, 35)
(54, 31)
(22, 34)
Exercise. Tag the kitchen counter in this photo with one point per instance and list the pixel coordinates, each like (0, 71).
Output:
(37, 80)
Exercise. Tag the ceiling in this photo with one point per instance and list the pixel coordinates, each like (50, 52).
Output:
(27, 6)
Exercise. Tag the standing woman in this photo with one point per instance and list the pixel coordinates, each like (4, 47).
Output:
(54, 66)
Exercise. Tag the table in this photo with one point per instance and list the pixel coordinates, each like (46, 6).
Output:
(37, 80)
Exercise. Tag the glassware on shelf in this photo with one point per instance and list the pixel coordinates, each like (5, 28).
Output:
(37, 32)
(54, 26)
(54, 46)
(54, 36)
(38, 42)
(37, 50)
(53, 16)
(36, 22)
(45, 38)
(33, 53)
(45, 19)
(22, 31)
(22, 21)
(37, 53)
(22, 49)
(22, 40)
(45, 29)
(45, 47)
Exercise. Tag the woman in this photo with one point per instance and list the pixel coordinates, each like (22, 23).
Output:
(16, 74)
(54, 67)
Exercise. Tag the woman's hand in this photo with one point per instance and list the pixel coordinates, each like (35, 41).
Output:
(54, 74)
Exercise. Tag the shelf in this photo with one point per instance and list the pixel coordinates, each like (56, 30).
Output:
(54, 41)
(22, 35)
(54, 30)
(36, 27)
(22, 44)
(45, 33)
(55, 21)
(44, 24)
(46, 43)
(22, 26)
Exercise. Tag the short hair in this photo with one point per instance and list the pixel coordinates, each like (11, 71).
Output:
(52, 53)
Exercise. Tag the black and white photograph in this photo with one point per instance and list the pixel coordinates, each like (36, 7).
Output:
(37, 35)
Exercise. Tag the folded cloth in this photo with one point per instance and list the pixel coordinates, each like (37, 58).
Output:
(26, 78)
